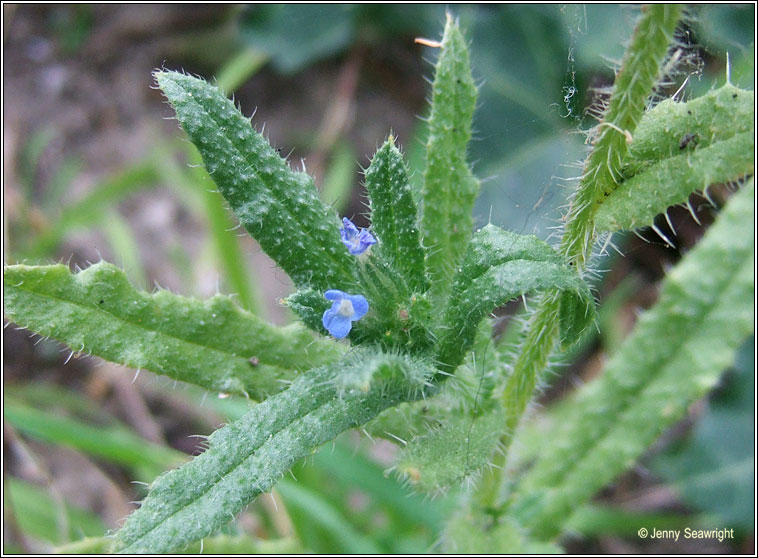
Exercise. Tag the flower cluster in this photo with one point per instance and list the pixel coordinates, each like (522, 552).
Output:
(346, 308)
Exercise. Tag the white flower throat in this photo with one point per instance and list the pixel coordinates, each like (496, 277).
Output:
(346, 308)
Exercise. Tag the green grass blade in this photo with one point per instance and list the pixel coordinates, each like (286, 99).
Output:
(353, 469)
(210, 343)
(124, 247)
(196, 189)
(242, 544)
(60, 184)
(29, 159)
(224, 235)
(112, 442)
(675, 355)
(339, 176)
(320, 525)
(90, 209)
(247, 457)
(279, 207)
(88, 545)
(242, 66)
(37, 514)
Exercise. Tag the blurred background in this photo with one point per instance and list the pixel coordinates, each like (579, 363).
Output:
(95, 167)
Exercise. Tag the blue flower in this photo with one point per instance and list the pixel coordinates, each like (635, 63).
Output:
(347, 308)
(357, 242)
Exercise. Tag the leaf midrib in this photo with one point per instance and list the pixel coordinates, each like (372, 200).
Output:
(97, 310)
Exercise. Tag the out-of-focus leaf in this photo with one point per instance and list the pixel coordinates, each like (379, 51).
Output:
(296, 35)
(473, 532)
(113, 442)
(648, 384)
(320, 525)
(339, 177)
(90, 209)
(39, 515)
(713, 469)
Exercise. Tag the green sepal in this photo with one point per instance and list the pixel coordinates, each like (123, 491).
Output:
(450, 188)
(498, 267)
(309, 306)
(394, 218)
(211, 343)
(279, 207)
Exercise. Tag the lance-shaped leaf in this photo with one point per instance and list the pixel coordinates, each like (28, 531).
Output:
(393, 213)
(211, 343)
(680, 148)
(247, 457)
(671, 127)
(499, 266)
(675, 355)
(279, 207)
(450, 188)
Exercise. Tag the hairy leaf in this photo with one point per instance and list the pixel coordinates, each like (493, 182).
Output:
(455, 451)
(449, 187)
(678, 149)
(472, 532)
(500, 266)
(210, 343)
(278, 206)
(675, 355)
(663, 131)
(247, 457)
(393, 213)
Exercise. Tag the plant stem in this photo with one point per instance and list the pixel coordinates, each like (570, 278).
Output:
(638, 76)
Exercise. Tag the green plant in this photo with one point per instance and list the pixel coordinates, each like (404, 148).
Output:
(412, 296)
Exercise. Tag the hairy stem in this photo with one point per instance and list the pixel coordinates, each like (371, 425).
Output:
(633, 85)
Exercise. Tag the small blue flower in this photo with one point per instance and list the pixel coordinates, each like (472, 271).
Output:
(347, 308)
(357, 242)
